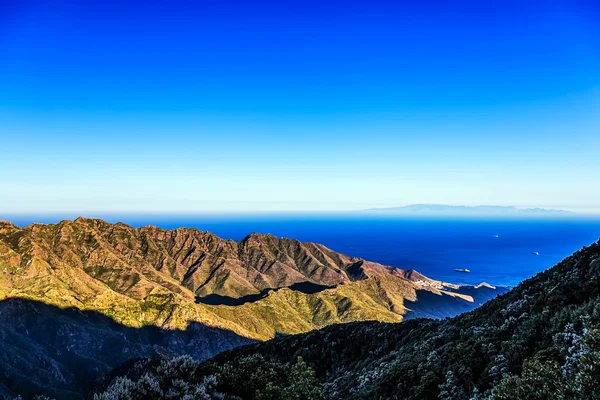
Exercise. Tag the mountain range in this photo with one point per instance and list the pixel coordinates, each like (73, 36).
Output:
(78, 298)
(539, 341)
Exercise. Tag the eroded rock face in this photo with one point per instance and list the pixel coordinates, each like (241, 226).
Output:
(199, 261)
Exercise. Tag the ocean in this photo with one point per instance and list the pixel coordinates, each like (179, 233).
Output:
(496, 251)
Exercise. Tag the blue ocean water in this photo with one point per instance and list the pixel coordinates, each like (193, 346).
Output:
(495, 251)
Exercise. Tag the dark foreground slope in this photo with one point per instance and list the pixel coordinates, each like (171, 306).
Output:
(538, 341)
(61, 352)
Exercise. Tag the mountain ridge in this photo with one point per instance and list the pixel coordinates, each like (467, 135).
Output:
(287, 261)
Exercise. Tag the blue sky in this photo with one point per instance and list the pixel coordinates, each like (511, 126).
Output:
(192, 107)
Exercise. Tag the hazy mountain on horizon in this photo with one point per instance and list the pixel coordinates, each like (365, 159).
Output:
(483, 210)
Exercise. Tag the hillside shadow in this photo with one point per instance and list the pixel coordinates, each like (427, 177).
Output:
(309, 287)
(219, 300)
(436, 306)
(59, 352)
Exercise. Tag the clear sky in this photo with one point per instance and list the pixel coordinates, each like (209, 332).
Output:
(298, 105)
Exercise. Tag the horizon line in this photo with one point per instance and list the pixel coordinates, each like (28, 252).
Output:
(579, 210)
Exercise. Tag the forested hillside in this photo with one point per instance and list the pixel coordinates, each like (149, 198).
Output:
(540, 341)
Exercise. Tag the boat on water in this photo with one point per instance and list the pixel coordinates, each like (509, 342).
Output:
(461, 270)
(535, 253)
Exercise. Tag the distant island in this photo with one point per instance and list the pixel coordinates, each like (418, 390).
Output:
(483, 210)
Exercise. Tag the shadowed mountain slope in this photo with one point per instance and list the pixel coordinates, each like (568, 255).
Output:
(60, 352)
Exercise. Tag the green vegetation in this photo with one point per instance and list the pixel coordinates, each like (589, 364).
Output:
(184, 378)
(539, 341)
